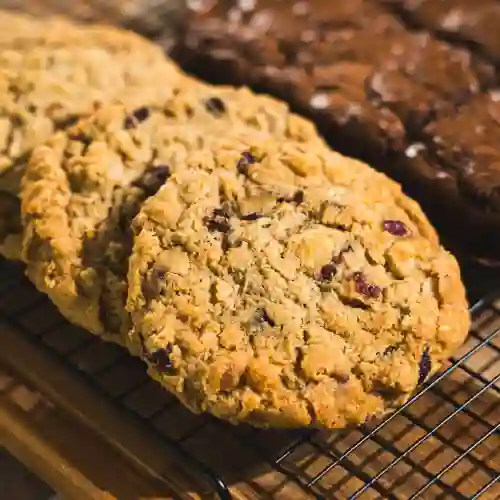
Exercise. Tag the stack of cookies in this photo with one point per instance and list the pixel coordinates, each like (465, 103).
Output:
(262, 277)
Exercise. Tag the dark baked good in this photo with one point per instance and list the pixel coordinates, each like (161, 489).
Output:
(375, 89)
(474, 23)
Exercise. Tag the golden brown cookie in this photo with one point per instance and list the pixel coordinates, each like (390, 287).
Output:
(284, 285)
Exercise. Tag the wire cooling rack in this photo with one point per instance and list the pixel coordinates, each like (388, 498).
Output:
(443, 444)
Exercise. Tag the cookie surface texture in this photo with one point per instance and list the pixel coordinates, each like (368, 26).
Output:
(285, 285)
(65, 72)
(23, 31)
(82, 190)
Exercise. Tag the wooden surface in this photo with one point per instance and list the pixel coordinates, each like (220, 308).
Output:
(84, 417)
(18, 483)
(73, 439)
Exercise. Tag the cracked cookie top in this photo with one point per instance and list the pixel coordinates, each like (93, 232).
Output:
(282, 284)
(82, 188)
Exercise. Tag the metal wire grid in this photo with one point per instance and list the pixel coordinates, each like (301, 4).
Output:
(444, 443)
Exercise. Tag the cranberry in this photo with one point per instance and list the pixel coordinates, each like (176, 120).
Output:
(218, 222)
(138, 116)
(298, 197)
(364, 287)
(328, 272)
(425, 366)
(251, 216)
(265, 318)
(395, 227)
(215, 106)
(160, 358)
(246, 159)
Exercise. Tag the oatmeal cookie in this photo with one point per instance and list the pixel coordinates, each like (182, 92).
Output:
(48, 83)
(83, 188)
(284, 285)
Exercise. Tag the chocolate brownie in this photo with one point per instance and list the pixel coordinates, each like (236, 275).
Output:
(474, 23)
(373, 89)
(285, 285)
(342, 66)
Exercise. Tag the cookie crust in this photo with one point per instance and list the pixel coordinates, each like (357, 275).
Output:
(285, 285)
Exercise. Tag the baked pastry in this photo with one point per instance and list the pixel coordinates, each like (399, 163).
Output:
(83, 188)
(64, 72)
(375, 88)
(473, 24)
(285, 285)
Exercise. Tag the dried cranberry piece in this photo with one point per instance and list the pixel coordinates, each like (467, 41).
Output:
(342, 378)
(153, 179)
(84, 139)
(138, 116)
(215, 106)
(364, 287)
(395, 227)
(218, 222)
(251, 216)
(298, 197)
(328, 272)
(160, 358)
(245, 161)
(355, 303)
(390, 349)
(265, 318)
(425, 366)
(141, 114)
